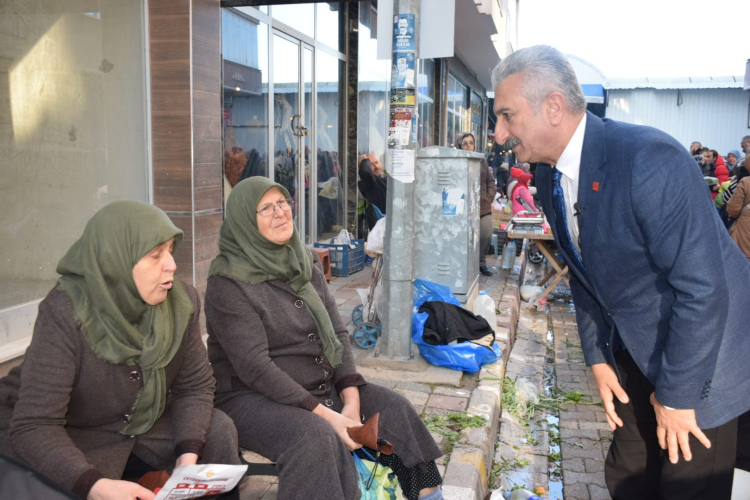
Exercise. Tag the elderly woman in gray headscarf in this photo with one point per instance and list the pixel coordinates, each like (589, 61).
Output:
(284, 367)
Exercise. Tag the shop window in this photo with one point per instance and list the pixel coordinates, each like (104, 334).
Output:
(329, 25)
(372, 92)
(331, 174)
(458, 112)
(73, 138)
(476, 121)
(298, 16)
(426, 103)
(245, 50)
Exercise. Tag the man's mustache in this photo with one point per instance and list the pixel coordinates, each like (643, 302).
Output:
(512, 143)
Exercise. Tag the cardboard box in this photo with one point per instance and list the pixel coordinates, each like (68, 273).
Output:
(499, 217)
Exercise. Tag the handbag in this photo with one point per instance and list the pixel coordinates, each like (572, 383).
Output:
(376, 481)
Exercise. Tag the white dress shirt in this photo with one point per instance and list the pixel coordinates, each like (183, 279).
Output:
(569, 165)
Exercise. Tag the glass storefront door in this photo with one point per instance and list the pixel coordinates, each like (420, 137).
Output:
(293, 124)
(284, 110)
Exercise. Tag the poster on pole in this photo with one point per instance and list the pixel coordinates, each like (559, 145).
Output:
(403, 32)
(399, 130)
(402, 73)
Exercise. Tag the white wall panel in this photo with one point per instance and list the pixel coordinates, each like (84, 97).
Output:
(718, 118)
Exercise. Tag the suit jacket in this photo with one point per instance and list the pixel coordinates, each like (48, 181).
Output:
(659, 272)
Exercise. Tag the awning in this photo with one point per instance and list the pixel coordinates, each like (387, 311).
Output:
(594, 93)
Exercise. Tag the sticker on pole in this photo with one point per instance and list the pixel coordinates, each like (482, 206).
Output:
(402, 97)
(400, 127)
(195, 481)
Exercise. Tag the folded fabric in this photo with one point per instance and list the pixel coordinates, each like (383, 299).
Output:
(447, 323)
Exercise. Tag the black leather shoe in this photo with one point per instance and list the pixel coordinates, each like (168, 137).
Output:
(485, 271)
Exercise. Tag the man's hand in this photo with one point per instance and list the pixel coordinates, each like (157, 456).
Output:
(609, 387)
(673, 428)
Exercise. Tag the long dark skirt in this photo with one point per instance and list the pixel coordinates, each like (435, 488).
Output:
(312, 461)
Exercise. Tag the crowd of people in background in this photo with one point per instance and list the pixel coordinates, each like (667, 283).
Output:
(725, 177)
(730, 191)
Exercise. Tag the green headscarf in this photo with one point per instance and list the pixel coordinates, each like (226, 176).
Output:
(97, 275)
(245, 255)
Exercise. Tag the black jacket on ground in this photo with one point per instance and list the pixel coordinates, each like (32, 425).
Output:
(448, 323)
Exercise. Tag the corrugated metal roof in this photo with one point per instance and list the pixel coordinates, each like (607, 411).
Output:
(704, 82)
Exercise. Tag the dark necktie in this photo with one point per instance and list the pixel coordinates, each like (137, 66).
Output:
(558, 200)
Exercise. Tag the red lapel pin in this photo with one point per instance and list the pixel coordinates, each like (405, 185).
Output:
(596, 186)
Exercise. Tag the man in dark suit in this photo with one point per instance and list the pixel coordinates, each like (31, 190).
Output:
(661, 293)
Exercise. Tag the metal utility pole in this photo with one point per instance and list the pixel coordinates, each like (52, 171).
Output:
(395, 341)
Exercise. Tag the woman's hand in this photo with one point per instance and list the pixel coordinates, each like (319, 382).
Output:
(340, 424)
(350, 397)
(186, 459)
(351, 411)
(111, 489)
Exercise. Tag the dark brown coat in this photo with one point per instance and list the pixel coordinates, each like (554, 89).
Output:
(68, 406)
(487, 188)
(741, 230)
(270, 371)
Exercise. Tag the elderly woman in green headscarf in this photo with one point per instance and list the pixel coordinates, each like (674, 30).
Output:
(116, 381)
(284, 367)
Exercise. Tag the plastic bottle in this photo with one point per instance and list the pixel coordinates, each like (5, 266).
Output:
(484, 306)
(523, 495)
(509, 255)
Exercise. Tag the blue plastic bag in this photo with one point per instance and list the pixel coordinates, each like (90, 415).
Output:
(466, 356)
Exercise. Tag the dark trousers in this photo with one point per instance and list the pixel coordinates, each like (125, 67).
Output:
(637, 468)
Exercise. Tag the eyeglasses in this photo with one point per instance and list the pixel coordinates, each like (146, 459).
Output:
(467, 143)
(270, 209)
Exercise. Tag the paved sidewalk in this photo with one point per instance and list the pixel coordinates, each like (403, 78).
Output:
(584, 432)
(438, 392)
(563, 451)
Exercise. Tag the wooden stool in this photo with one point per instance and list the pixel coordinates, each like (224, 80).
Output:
(325, 259)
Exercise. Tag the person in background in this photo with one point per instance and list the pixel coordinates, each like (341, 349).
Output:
(519, 187)
(495, 161)
(732, 158)
(373, 185)
(719, 170)
(739, 208)
(116, 381)
(694, 146)
(487, 191)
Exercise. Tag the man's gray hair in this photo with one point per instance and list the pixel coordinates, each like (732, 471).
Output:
(746, 138)
(546, 70)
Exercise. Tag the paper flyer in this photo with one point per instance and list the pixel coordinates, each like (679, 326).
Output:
(402, 164)
(195, 481)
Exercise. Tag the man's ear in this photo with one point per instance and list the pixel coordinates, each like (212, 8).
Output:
(554, 106)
